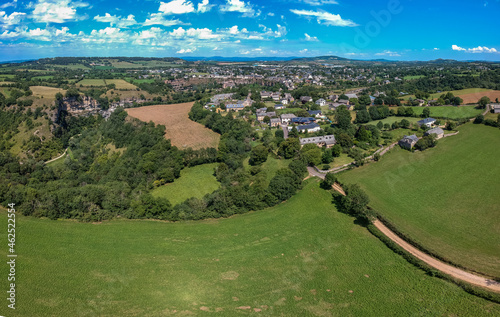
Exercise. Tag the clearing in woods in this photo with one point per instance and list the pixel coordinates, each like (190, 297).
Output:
(181, 131)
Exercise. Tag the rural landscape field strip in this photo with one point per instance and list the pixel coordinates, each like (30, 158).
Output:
(182, 131)
(300, 258)
(457, 273)
(444, 198)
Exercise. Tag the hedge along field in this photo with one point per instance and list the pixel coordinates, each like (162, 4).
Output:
(301, 258)
(195, 181)
(445, 198)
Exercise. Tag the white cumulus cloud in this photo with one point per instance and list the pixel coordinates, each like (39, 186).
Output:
(7, 20)
(479, 49)
(319, 2)
(311, 38)
(116, 20)
(57, 11)
(185, 51)
(239, 6)
(176, 7)
(159, 19)
(325, 18)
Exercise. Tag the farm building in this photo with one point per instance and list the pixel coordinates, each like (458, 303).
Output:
(235, 107)
(287, 117)
(279, 106)
(408, 141)
(303, 120)
(427, 121)
(350, 96)
(335, 105)
(311, 127)
(437, 131)
(327, 140)
(495, 107)
(218, 98)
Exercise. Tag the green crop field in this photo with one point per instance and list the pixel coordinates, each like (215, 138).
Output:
(71, 66)
(451, 111)
(120, 84)
(445, 198)
(91, 82)
(301, 258)
(195, 181)
(454, 92)
(413, 77)
(391, 120)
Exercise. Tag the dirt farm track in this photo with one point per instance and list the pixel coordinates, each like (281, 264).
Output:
(182, 132)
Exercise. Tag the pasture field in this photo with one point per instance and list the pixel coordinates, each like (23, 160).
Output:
(413, 77)
(182, 132)
(450, 112)
(196, 181)
(91, 82)
(301, 258)
(46, 92)
(459, 93)
(120, 84)
(445, 198)
(43, 77)
(391, 120)
(140, 81)
(474, 97)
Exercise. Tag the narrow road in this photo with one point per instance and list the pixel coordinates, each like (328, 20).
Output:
(52, 160)
(285, 131)
(457, 273)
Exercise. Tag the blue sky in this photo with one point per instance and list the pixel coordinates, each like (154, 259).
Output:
(361, 29)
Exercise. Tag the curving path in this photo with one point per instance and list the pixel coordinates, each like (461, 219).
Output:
(455, 272)
(52, 160)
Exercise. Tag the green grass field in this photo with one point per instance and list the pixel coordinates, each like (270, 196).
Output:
(71, 66)
(391, 120)
(446, 198)
(450, 112)
(91, 82)
(120, 84)
(269, 167)
(195, 181)
(301, 258)
(455, 92)
(413, 77)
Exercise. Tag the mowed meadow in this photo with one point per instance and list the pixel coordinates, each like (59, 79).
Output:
(445, 198)
(301, 258)
(182, 132)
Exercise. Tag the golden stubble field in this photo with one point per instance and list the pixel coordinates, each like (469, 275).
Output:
(182, 132)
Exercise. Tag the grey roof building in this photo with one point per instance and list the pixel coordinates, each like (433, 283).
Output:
(327, 140)
(437, 131)
(408, 141)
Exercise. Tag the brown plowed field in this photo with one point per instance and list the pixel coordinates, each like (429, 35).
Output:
(473, 98)
(182, 132)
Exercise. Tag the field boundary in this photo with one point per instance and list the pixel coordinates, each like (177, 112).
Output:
(447, 271)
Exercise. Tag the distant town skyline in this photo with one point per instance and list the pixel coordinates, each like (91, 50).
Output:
(390, 29)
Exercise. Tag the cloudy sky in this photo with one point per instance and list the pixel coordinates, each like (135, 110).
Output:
(361, 29)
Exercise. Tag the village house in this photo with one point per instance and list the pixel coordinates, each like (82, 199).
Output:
(327, 140)
(429, 122)
(287, 117)
(276, 96)
(315, 113)
(321, 102)
(275, 122)
(333, 106)
(333, 98)
(265, 94)
(408, 142)
(289, 97)
(279, 106)
(308, 128)
(437, 131)
(262, 115)
(303, 120)
(305, 99)
(221, 97)
(284, 101)
(350, 96)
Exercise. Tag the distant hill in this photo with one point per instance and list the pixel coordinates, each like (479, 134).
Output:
(236, 59)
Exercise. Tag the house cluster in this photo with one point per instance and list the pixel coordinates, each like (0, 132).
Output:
(277, 97)
(408, 141)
